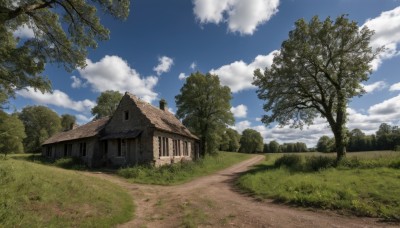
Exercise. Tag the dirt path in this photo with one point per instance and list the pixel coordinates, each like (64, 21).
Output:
(212, 201)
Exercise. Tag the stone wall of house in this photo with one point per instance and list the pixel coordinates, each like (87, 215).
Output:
(57, 150)
(136, 119)
(140, 150)
(163, 160)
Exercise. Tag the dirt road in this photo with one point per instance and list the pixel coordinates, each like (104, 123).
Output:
(212, 201)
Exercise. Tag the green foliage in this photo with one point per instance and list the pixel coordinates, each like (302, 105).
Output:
(74, 163)
(386, 138)
(251, 141)
(230, 140)
(308, 77)
(290, 161)
(325, 144)
(40, 123)
(61, 36)
(33, 195)
(273, 147)
(365, 184)
(67, 121)
(183, 171)
(12, 133)
(204, 106)
(107, 103)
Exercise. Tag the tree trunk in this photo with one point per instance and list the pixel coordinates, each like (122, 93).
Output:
(339, 129)
(203, 146)
(340, 145)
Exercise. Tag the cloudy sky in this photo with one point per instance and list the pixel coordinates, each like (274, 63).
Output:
(162, 42)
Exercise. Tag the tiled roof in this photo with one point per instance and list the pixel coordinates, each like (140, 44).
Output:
(90, 129)
(161, 119)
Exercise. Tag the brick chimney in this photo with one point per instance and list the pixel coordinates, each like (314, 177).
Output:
(163, 105)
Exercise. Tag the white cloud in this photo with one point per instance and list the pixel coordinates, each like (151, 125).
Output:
(76, 82)
(171, 110)
(240, 15)
(239, 111)
(164, 65)
(258, 119)
(24, 32)
(182, 76)
(82, 119)
(239, 75)
(388, 111)
(387, 32)
(375, 86)
(193, 65)
(395, 87)
(388, 108)
(114, 73)
(57, 98)
(242, 125)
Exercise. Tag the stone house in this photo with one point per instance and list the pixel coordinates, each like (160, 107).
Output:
(137, 133)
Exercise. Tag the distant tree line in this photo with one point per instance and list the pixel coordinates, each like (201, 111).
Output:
(25, 131)
(386, 138)
(251, 141)
(275, 147)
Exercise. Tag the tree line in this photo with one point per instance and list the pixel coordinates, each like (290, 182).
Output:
(25, 131)
(387, 137)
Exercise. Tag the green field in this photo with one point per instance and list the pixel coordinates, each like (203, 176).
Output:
(35, 195)
(182, 172)
(364, 184)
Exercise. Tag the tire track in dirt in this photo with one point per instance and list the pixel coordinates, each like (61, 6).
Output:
(212, 201)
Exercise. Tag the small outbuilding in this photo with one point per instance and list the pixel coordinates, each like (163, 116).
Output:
(137, 133)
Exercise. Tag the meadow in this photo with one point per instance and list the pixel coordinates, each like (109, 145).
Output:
(182, 172)
(36, 195)
(363, 184)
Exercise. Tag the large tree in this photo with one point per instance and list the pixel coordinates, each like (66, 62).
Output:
(230, 140)
(251, 142)
(107, 102)
(12, 132)
(318, 69)
(67, 121)
(40, 123)
(325, 144)
(204, 106)
(63, 30)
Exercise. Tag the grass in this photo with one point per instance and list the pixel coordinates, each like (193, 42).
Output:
(73, 163)
(364, 184)
(35, 195)
(182, 172)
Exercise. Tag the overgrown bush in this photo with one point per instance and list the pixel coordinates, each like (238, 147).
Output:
(70, 163)
(317, 163)
(290, 161)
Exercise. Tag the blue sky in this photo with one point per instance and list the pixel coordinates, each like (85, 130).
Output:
(162, 42)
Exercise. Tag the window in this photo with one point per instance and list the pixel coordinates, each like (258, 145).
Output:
(67, 150)
(176, 146)
(121, 147)
(163, 148)
(82, 149)
(126, 115)
(48, 151)
(186, 148)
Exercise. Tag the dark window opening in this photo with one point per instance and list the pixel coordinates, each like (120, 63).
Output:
(82, 149)
(126, 115)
